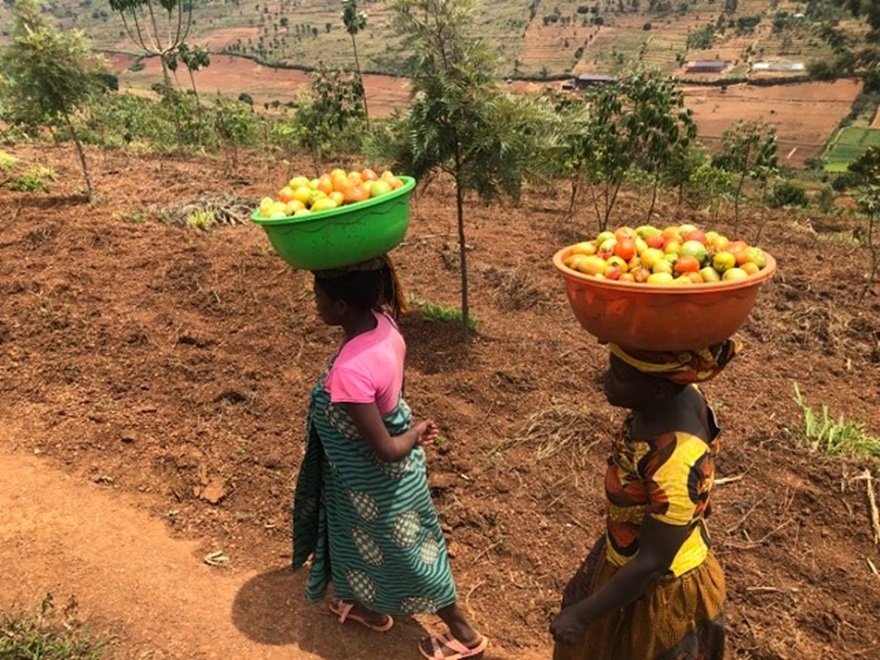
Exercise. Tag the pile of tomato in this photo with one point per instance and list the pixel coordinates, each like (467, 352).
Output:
(303, 196)
(682, 254)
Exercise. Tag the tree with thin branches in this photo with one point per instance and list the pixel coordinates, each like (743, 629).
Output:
(749, 151)
(355, 21)
(459, 120)
(159, 27)
(194, 58)
(47, 75)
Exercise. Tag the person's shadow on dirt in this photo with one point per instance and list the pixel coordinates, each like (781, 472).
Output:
(271, 609)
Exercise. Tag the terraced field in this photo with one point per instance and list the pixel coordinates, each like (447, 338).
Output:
(531, 37)
(848, 145)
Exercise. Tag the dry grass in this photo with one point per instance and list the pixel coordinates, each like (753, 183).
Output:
(552, 430)
(516, 289)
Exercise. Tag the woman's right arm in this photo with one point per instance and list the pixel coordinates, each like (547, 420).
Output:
(390, 448)
(658, 545)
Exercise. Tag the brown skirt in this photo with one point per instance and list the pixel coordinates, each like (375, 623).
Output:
(676, 619)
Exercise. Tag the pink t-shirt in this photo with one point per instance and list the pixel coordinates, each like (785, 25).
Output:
(369, 367)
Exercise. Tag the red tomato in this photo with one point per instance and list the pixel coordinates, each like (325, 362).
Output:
(625, 248)
(687, 264)
(738, 250)
(656, 241)
(697, 235)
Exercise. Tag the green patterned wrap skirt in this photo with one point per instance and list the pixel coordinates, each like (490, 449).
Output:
(369, 525)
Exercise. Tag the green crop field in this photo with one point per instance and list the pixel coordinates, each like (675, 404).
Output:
(850, 143)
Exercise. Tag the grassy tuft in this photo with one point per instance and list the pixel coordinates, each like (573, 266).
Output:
(200, 219)
(7, 161)
(835, 437)
(46, 634)
(553, 430)
(441, 313)
(36, 179)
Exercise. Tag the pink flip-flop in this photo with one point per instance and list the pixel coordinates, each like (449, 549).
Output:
(343, 611)
(460, 651)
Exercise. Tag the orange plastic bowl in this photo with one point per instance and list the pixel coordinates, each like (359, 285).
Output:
(660, 317)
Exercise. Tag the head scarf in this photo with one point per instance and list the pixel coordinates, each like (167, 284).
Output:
(683, 367)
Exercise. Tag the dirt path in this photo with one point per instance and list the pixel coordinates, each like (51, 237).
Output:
(151, 592)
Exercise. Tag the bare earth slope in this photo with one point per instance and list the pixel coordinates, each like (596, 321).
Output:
(153, 384)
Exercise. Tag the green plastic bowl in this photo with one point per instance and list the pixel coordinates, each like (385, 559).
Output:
(342, 236)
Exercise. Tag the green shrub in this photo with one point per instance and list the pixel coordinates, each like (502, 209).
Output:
(36, 179)
(824, 200)
(787, 193)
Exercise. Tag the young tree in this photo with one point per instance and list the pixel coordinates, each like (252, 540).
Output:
(867, 196)
(459, 120)
(235, 126)
(749, 152)
(158, 38)
(868, 204)
(47, 75)
(194, 58)
(608, 155)
(327, 115)
(354, 22)
(639, 121)
(659, 126)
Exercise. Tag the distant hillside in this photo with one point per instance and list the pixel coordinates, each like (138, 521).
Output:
(534, 38)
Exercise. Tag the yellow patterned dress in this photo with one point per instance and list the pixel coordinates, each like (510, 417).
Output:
(681, 616)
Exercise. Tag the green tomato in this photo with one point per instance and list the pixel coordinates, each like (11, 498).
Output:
(694, 249)
(604, 236)
(756, 256)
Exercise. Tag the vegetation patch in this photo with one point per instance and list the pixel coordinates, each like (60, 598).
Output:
(849, 145)
(47, 634)
(835, 437)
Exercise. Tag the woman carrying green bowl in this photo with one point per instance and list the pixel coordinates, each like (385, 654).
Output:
(362, 509)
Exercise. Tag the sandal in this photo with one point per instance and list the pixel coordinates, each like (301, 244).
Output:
(448, 642)
(343, 610)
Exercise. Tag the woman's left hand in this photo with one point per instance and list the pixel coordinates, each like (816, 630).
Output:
(568, 626)
(428, 431)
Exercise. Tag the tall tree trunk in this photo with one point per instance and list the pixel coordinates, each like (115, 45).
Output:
(874, 257)
(192, 81)
(172, 102)
(572, 200)
(653, 201)
(739, 189)
(462, 247)
(82, 155)
(357, 65)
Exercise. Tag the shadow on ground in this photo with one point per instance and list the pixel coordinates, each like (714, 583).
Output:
(271, 609)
